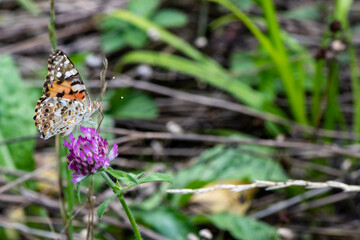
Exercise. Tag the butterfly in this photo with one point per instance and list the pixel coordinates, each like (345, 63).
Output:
(65, 103)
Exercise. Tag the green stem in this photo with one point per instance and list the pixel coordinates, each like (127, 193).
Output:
(60, 183)
(123, 203)
(70, 201)
(51, 27)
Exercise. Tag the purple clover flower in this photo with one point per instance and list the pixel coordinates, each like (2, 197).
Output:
(88, 154)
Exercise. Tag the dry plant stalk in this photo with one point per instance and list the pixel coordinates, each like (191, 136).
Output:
(91, 198)
(269, 185)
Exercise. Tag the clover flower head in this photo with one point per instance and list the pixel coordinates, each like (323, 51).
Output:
(88, 153)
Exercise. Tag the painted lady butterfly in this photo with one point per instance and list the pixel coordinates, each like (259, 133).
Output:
(65, 102)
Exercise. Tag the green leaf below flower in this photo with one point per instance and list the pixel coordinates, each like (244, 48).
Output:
(122, 176)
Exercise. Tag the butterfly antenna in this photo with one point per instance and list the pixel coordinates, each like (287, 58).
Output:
(103, 79)
(102, 90)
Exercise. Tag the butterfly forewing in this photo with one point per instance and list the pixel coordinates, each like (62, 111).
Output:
(63, 79)
(65, 102)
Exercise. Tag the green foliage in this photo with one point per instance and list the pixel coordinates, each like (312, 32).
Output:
(226, 163)
(144, 8)
(154, 177)
(117, 34)
(132, 180)
(177, 18)
(308, 12)
(168, 222)
(102, 207)
(245, 5)
(129, 180)
(204, 71)
(134, 105)
(16, 117)
(120, 175)
(223, 163)
(30, 6)
(244, 228)
(174, 41)
(112, 41)
(135, 38)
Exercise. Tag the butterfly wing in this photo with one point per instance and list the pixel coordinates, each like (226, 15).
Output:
(65, 101)
(63, 79)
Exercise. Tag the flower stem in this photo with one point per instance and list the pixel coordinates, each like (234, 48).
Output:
(60, 183)
(123, 203)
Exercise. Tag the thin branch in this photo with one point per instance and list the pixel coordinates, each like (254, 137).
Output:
(281, 205)
(269, 185)
(26, 177)
(25, 229)
(20, 173)
(19, 139)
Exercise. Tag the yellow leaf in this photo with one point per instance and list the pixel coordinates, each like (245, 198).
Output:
(222, 200)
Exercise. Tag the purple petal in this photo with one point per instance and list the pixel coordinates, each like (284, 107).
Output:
(78, 178)
(71, 137)
(96, 157)
(113, 153)
(87, 150)
(82, 156)
(97, 165)
(67, 145)
(93, 148)
(89, 132)
(106, 163)
(90, 160)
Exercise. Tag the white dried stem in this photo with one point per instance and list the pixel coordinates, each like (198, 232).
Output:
(269, 185)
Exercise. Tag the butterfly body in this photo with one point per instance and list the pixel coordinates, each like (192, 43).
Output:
(65, 102)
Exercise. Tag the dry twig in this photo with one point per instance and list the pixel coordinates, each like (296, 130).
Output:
(269, 185)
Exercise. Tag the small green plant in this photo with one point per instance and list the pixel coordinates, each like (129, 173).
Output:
(117, 34)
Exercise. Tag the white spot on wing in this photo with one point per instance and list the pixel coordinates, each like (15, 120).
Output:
(78, 87)
(70, 73)
(58, 74)
(58, 60)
